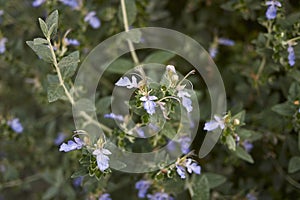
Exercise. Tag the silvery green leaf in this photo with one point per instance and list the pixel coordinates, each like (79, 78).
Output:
(85, 105)
(43, 27)
(120, 66)
(214, 180)
(52, 79)
(159, 57)
(230, 143)
(201, 188)
(243, 154)
(284, 109)
(42, 51)
(294, 164)
(38, 41)
(68, 64)
(55, 92)
(52, 23)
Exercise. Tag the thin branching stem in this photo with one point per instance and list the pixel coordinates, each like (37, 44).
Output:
(126, 26)
(18, 182)
(60, 78)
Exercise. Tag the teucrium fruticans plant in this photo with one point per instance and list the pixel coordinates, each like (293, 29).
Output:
(151, 103)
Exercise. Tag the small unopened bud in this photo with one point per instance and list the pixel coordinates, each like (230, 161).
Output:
(236, 122)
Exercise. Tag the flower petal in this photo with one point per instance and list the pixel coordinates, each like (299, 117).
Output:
(211, 125)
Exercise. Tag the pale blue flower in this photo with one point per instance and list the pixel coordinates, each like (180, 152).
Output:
(59, 139)
(186, 101)
(140, 132)
(250, 196)
(237, 139)
(71, 3)
(226, 42)
(272, 9)
(78, 181)
(142, 186)
(149, 104)
(2, 45)
(185, 142)
(159, 196)
(72, 42)
(192, 166)
(215, 123)
(102, 158)
(125, 82)
(180, 171)
(213, 51)
(248, 145)
(114, 116)
(71, 145)
(15, 125)
(92, 19)
(291, 56)
(37, 3)
(105, 196)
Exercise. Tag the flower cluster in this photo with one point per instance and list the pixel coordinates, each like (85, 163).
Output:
(100, 152)
(272, 9)
(102, 158)
(60, 138)
(213, 49)
(114, 116)
(104, 196)
(187, 164)
(15, 125)
(291, 56)
(71, 3)
(72, 145)
(2, 45)
(37, 3)
(215, 123)
(185, 142)
(150, 101)
(92, 19)
(142, 186)
(73, 42)
(159, 196)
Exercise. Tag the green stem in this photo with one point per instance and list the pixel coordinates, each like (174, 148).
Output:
(292, 40)
(191, 72)
(188, 185)
(18, 182)
(169, 97)
(61, 80)
(263, 62)
(93, 121)
(126, 26)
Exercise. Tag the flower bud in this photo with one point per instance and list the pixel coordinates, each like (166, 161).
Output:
(236, 122)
